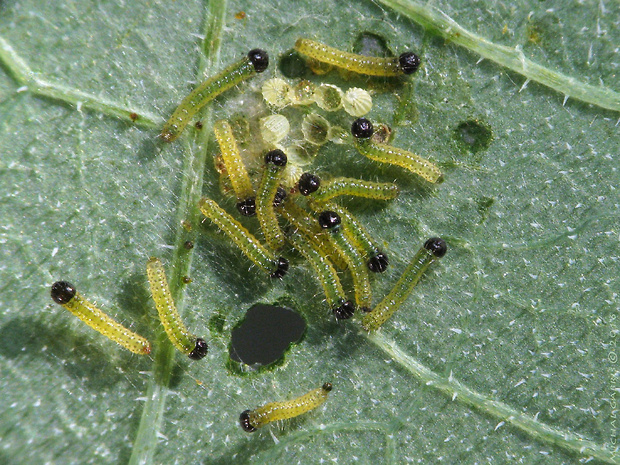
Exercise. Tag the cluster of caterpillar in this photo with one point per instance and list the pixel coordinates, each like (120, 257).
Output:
(326, 234)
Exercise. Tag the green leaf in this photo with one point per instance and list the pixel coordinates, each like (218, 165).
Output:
(505, 351)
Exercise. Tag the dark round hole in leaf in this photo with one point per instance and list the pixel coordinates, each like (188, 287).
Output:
(265, 334)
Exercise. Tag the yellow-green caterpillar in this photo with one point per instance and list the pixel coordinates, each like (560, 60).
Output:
(192, 346)
(65, 294)
(251, 420)
(362, 132)
(249, 245)
(376, 260)
(334, 294)
(433, 249)
(256, 61)
(307, 226)
(349, 186)
(406, 63)
(275, 162)
(331, 221)
(238, 175)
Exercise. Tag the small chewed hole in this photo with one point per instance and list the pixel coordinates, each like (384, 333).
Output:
(370, 44)
(292, 65)
(216, 324)
(474, 135)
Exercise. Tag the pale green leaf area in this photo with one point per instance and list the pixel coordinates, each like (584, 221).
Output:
(501, 354)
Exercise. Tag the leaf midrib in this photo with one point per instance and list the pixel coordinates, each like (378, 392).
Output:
(194, 160)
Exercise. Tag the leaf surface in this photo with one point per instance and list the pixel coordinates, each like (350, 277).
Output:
(505, 349)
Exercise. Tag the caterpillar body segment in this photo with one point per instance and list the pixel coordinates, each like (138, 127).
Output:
(433, 249)
(192, 346)
(393, 155)
(255, 62)
(334, 293)
(362, 131)
(251, 420)
(65, 294)
(275, 162)
(376, 260)
(406, 63)
(331, 221)
(307, 226)
(235, 168)
(276, 267)
(356, 187)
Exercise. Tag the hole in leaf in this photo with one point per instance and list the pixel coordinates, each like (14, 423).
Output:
(265, 334)
(216, 324)
(292, 65)
(474, 135)
(370, 44)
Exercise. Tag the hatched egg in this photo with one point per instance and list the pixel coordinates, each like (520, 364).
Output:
(302, 93)
(328, 97)
(291, 174)
(297, 159)
(339, 135)
(382, 133)
(304, 151)
(317, 67)
(276, 92)
(315, 129)
(274, 128)
(357, 102)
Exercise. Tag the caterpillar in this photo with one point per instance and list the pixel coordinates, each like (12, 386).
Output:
(238, 175)
(376, 260)
(256, 61)
(65, 294)
(362, 131)
(433, 249)
(334, 294)
(275, 162)
(307, 226)
(192, 346)
(355, 187)
(331, 221)
(251, 420)
(406, 63)
(249, 245)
